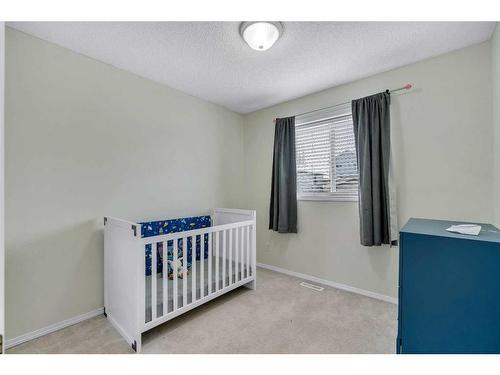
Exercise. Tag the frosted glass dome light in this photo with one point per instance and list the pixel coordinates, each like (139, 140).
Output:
(261, 36)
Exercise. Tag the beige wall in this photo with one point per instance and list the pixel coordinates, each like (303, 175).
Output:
(84, 140)
(442, 144)
(495, 42)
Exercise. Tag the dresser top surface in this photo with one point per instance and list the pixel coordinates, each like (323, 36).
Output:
(433, 227)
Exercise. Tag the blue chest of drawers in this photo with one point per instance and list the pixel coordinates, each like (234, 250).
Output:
(449, 289)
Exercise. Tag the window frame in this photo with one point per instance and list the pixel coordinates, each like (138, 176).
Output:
(332, 113)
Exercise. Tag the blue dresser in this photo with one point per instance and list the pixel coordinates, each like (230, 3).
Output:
(449, 289)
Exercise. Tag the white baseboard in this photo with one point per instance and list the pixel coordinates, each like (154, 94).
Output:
(52, 328)
(333, 284)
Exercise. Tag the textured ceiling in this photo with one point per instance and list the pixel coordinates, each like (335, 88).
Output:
(209, 60)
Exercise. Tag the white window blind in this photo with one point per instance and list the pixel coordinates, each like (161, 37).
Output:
(326, 155)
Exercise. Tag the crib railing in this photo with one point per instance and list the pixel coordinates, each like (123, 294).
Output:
(230, 262)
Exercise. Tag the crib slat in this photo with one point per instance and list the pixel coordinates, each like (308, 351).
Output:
(247, 229)
(175, 285)
(154, 249)
(193, 269)
(184, 271)
(209, 278)
(242, 251)
(217, 244)
(236, 253)
(202, 266)
(230, 264)
(253, 245)
(224, 258)
(242, 239)
(142, 283)
(241, 255)
(165, 278)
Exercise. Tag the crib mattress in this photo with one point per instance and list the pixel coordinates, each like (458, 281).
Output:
(180, 296)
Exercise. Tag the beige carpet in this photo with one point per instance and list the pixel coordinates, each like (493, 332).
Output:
(278, 317)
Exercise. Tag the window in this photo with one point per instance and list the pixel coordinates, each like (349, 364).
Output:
(326, 155)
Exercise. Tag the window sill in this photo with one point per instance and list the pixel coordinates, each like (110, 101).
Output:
(329, 198)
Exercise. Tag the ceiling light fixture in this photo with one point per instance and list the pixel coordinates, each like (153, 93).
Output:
(261, 35)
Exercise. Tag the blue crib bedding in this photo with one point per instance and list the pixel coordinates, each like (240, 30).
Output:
(155, 228)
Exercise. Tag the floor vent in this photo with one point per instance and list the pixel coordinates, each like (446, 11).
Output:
(312, 286)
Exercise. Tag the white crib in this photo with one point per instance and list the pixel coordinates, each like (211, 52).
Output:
(134, 303)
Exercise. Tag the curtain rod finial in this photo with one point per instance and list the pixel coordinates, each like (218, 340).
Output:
(408, 86)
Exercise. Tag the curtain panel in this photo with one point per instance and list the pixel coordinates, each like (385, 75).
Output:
(283, 204)
(371, 119)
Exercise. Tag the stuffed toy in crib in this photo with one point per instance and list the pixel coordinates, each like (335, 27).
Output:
(175, 268)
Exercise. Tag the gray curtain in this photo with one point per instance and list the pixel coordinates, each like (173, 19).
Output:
(371, 120)
(283, 206)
